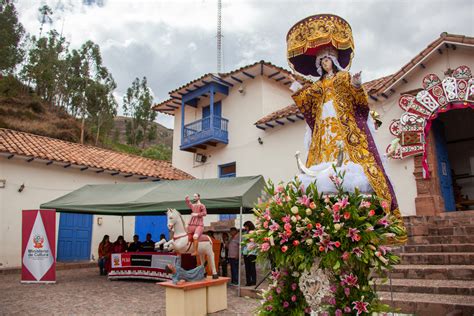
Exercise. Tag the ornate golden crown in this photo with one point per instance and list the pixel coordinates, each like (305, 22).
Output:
(307, 37)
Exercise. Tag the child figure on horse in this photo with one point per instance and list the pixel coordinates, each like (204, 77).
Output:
(196, 224)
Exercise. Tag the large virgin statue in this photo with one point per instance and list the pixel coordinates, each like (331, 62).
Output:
(335, 107)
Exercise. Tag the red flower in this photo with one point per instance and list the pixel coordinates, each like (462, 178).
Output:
(345, 256)
(347, 215)
(284, 248)
(309, 226)
(336, 207)
(321, 248)
(296, 243)
(371, 213)
(337, 244)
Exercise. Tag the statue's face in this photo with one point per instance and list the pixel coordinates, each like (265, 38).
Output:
(326, 63)
(196, 197)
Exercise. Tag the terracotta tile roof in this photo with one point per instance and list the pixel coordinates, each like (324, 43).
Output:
(444, 38)
(278, 74)
(41, 147)
(285, 112)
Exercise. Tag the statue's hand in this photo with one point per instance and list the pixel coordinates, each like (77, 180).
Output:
(357, 80)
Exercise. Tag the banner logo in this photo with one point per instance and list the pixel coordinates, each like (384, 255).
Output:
(38, 241)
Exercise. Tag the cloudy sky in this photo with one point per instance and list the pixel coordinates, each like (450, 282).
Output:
(172, 42)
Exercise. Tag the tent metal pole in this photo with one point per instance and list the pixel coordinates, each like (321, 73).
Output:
(240, 249)
(123, 234)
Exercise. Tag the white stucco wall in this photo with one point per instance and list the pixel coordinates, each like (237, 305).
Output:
(401, 171)
(44, 183)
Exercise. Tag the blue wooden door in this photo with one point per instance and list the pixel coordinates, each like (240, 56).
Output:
(206, 112)
(153, 224)
(74, 237)
(227, 171)
(444, 167)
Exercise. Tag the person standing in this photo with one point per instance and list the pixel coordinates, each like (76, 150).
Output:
(250, 255)
(234, 245)
(104, 254)
(196, 224)
(224, 254)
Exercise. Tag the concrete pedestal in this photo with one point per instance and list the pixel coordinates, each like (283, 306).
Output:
(196, 298)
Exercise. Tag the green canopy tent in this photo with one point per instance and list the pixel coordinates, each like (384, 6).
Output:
(223, 195)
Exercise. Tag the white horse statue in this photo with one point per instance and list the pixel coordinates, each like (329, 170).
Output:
(180, 242)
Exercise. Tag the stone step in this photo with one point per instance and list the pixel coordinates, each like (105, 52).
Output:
(416, 240)
(466, 258)
(449, 287)
(451, 230)
(438, 248)
(465, 216)
(422, 304)
(433, 272)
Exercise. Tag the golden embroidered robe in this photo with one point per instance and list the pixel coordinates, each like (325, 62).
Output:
(348, 125)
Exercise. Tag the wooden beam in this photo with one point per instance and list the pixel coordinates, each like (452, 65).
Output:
(260, 127)
(422, 65)
(248, 75)
(384, 95)
(269, 125)
(440, 51)
(115, 173)
(261, 68)
(201, 146)
(373, 97)
(281, 78)
(392, 90)
(404, 80)
(11, 156)
(213, 144)
(286, 83)
(128, 176)
(67, 166)
(49, 163)
(84, 168)
(301, 117)
(30, 159)
(274, 74)
(279, 122)
(100, 171)
(236, 79)
(142, 178)
(156, 180)
(290, 119)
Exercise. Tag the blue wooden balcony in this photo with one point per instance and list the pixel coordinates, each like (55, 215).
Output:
(208, 131)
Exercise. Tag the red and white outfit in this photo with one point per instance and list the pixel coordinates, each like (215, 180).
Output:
(196, 224)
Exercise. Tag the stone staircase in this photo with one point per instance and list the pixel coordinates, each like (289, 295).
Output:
(436, 274)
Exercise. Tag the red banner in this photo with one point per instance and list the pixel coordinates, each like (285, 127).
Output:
(38, 246)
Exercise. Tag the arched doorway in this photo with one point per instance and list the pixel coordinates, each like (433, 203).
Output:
(433, 126)
(454, 139)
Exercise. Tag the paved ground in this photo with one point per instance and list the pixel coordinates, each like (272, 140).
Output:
(83, 291)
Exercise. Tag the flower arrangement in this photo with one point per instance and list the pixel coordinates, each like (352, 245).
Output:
(347, 233)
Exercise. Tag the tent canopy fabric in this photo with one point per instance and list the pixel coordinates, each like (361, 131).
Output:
(221, 196)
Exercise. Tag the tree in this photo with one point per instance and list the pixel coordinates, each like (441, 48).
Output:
(45, 12)
(46, 60)
(91, 87)
(11, 33)
(137, 104)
